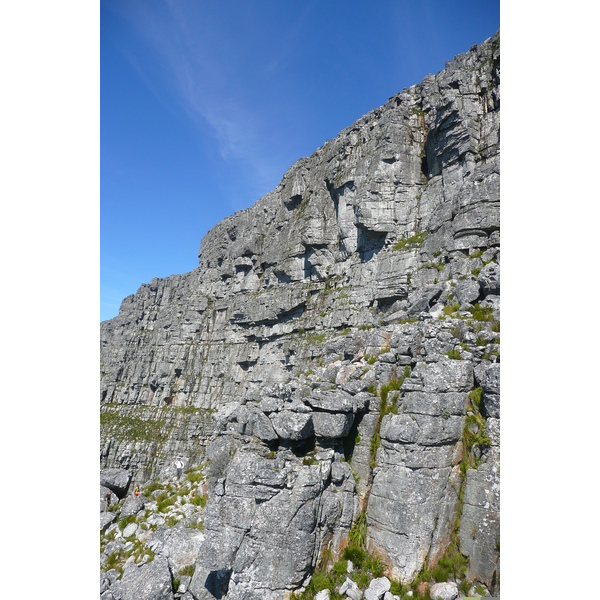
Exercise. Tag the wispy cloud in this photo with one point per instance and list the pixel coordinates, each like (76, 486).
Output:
(192, 58)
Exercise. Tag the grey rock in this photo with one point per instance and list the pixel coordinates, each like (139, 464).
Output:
(132, 506)
(292, 426)
(467, 291)
(106, 518)
(377, 588)
(488, 377)
(336, 401)
(117, 480)
(130, 530)
(104, 492)
(421, 300)
(148, 582)
(180, 545)
(348, 584)
(259, 356)
(489, 279)
(444, 591)
(327, 425)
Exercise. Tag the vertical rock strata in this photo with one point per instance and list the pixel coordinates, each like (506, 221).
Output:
(336, 351)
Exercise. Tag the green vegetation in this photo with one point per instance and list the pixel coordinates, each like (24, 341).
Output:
(370, 359)
(408, 321)
(474, 433)
(199, 500)
(393, 384)
(450, 309)
(411, 242)
(132, 428)
(188, 571)
(366, 566)
(454, 354)
(482, 313)
(316, 338)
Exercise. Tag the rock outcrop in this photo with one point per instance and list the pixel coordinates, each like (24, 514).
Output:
(333, 361)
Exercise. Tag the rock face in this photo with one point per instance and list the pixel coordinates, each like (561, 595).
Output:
(335, 353)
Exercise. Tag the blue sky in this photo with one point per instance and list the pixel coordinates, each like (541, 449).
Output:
(204, 106)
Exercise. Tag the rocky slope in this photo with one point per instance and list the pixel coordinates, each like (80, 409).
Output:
(333, 362)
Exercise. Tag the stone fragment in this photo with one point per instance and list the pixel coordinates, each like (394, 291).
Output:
(444, 591)
(354, 593)
(377, 588)
(130, 530)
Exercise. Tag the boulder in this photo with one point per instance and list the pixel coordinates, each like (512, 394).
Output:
(116, 479)
(489, 279)
(444, 591)
(377, 588)
(151, 581)
(328, 425)
(132, 506)
(292, 426)
(467, 291)
(106, 518)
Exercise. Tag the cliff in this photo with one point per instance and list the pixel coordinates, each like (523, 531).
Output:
(333, 362)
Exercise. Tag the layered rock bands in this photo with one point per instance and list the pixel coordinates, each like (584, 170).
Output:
(336, 352)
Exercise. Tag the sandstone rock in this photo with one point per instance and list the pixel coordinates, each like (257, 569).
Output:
(354, 593)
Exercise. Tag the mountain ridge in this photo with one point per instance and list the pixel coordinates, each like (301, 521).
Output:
(338, 343)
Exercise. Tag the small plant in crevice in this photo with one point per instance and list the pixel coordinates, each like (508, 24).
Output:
(454, 354)
(410, 243)
(450, 309)
(474, 433)
(482, 313)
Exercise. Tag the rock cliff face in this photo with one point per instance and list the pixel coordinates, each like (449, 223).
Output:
(335, 355)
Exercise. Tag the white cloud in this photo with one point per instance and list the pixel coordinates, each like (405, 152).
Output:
(191, 57)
